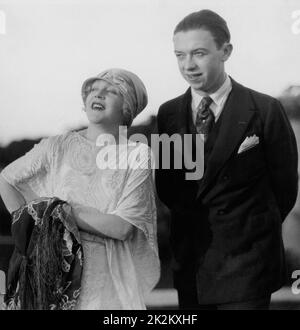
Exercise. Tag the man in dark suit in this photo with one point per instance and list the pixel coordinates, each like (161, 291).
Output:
(226, 227)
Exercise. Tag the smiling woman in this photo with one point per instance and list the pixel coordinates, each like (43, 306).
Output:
(104, 104)
(114, 209)
(118, 83)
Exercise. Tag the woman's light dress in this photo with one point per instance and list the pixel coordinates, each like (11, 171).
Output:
(117, 274)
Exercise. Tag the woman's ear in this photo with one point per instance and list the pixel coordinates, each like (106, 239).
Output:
(126, 116)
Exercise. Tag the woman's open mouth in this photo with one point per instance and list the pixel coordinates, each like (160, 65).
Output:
(97, 106)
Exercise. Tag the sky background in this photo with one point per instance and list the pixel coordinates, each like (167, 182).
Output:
(48, 48)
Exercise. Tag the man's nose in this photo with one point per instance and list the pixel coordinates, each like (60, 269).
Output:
(189, 63)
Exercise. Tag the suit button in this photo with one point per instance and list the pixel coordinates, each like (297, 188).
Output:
(225, 177)
(221, 212)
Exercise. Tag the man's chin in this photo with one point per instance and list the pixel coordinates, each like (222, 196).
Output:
(200, 87)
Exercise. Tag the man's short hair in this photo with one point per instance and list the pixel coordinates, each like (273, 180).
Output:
(207, 20)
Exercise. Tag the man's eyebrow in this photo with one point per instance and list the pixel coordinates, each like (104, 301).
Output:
(193, 50)
(200, 48)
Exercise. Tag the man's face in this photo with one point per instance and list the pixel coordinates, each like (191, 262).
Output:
(200, 61)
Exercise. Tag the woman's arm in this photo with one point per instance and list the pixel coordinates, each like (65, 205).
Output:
(15, 188)
(93, 221)
(11, 197)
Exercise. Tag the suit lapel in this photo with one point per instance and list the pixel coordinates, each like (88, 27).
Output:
(183, 113)
(237, 114)
(188, 145)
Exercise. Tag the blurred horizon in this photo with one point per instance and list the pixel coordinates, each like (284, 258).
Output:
(48, 48)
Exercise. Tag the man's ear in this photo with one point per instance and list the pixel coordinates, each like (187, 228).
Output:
(227, 50)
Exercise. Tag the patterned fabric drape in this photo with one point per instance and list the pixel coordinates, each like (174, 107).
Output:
(46, 265)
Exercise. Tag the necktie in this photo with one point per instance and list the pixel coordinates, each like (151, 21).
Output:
(205, 118)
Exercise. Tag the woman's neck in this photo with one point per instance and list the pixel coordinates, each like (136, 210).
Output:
(94, 130)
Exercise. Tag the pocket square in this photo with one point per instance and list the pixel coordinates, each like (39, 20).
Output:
(248, 143)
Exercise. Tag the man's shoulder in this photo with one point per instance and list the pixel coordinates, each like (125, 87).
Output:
(260, 99)
(171, 105)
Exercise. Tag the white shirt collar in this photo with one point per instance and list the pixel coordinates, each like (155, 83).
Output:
(217, 96)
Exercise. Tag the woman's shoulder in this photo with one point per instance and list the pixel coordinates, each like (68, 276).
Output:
(47, 142)
(56, 142)
(139, 147)
(140, 155)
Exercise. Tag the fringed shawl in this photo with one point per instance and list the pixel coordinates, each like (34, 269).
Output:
(46, 265)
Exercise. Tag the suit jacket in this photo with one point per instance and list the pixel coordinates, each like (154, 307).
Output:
(226, 228)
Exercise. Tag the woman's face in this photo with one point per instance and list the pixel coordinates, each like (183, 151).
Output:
(104, 104)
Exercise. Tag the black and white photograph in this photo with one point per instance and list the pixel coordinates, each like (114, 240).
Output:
(149, 157)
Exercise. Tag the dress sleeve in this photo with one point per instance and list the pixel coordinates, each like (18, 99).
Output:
(137, 205)
(34, 164)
